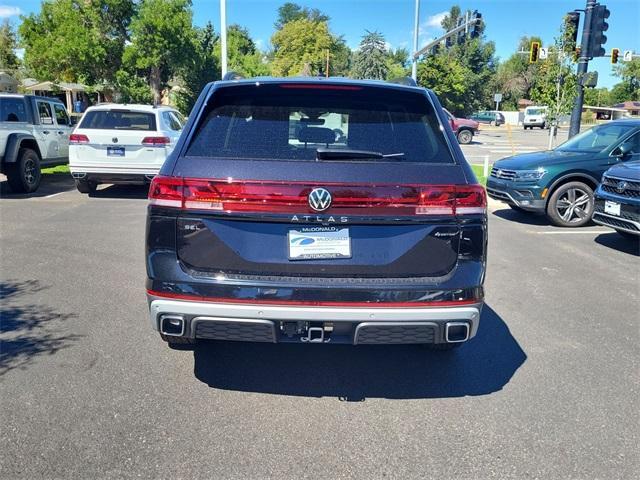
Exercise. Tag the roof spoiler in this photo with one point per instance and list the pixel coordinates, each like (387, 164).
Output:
(232, 76)
(407, 81)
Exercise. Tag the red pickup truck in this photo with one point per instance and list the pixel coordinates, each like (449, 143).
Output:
(464, 128)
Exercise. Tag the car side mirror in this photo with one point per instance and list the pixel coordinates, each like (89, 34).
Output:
(622, 150)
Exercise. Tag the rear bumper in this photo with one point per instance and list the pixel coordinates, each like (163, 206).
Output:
(132, 178)
(353, 325)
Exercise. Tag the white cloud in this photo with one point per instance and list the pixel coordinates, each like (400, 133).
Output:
(259, 43)
(9, 11)
(435, 21)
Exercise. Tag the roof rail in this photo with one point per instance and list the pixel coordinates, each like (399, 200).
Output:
(408, 81)
(232, 76)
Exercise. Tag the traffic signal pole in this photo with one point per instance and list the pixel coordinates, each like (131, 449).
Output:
(583, 64)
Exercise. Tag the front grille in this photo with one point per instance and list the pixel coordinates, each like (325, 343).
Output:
(613, 185)
(241, 331)
(386, 334)
(503, 174)
(615, 222)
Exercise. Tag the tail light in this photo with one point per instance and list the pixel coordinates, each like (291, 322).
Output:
(156, 141)
(78, 138)
(292, 198)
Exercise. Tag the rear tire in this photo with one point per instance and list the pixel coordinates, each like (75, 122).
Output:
(24, 175)
(568, 206)
(465, 137)
(86, 186)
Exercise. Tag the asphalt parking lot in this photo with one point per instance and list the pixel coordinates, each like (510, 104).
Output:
(548, 389)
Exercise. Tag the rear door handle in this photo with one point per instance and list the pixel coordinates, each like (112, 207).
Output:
(45, 132)
(60, 132)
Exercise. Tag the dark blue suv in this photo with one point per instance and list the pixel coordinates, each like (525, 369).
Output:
(617, 202)
(316, 210)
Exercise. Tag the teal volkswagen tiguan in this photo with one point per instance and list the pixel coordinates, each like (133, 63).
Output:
(560, 182)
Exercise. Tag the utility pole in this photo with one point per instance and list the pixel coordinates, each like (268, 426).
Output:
(223, 36)
(414, 64)
(583, 64)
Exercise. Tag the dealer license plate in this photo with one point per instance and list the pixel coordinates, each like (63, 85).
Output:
(319, 243)
(115, 151)
(612, 208)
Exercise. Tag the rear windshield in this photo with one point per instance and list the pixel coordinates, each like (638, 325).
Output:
(290, 122)
(118, 120)
(535, 111)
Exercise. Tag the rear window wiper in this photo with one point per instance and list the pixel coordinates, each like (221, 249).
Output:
(348, 154)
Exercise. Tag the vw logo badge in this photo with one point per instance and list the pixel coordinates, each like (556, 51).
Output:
(114, 139)
(621, 187)
(499, 173)
(319, 199)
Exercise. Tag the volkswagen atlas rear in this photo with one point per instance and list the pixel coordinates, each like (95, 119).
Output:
(315, 211)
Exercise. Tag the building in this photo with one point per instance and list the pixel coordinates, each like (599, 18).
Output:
(632, 108)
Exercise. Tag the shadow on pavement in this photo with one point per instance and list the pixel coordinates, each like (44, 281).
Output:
(122, 191)
(521, 217)
(616, 241)
(483, 366)
(50, 184)
(28, 331)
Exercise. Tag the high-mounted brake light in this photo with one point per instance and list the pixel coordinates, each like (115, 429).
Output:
(78, 138)
(293, 197)
(315, 86)
(156, 141)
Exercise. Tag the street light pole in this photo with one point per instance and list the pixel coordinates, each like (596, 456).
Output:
(223, 36)
(414, 65)
(583, 64)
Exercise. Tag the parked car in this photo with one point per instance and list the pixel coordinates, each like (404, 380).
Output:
(116, 143)
(535, 117)
(34, 133)
(490, 117)
(617, 202)
(561, 182)
(258, 232)
(464, 129)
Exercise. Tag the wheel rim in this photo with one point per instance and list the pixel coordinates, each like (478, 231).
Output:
(30, 172)
(465, 137)
(574, 205)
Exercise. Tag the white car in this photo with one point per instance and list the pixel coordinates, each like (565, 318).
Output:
(116, 143)
(535, 117)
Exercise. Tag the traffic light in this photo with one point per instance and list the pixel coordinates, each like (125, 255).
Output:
(615, 53)
(461, 34)
(598, 26)
(476, 31)
(534, 52)
(570, 37)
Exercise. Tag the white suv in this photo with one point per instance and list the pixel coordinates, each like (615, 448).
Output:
(122, 144)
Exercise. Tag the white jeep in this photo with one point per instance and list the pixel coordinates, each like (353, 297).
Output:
(34, 133)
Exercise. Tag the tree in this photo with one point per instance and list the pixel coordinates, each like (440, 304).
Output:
(597, 97)
(447, 78)
(243, 56)
(629, 72)
(162, 42)
(76, 40)
(516, 76)
(397, 63)
(301, 43)
(472, 67)
(292, 11)
(8, 58)
(204, 68)
(555, 85)
(370, 61)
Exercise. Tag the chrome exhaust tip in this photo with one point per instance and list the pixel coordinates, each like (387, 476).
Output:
(78, 175)
(456, 332)
(172, 325)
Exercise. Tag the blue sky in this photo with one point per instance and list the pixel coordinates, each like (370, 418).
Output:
(506, 20)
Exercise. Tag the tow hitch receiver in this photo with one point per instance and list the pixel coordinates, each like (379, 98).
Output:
(314, 335)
